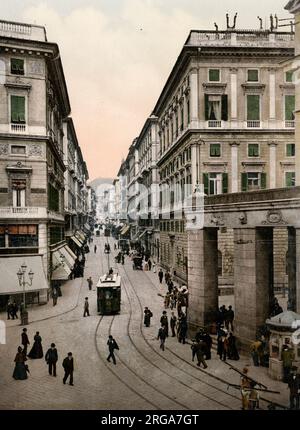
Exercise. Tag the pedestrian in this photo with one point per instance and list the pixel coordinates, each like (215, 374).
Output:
(167, 277)
(229, 317)
(90, 283)
(200, 351)
(294, 386)
(164, 322)
(111, 271)
(122, 258)
(112, 345)
(224, 347)
(287, 357)
(182, 329)
(170, 286)
(194, 349)
(154, 267)
(37, 349)
(245, 386)
(147, 317)
(255, 349)
(86, 307)
(68, 365)
(25, 341)
(95, 249)
(9, 309)
(54, 296)
(173, 321)
(253, 397)
(232, 348)
(15, 310)
(160, 276)
(51, 358)
(115, 246)
(20, 370)
(208, 342)
(162, 335)
(149, 265)
(172, 301)
(167, 300)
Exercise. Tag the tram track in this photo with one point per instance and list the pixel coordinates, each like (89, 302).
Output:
(172, 364)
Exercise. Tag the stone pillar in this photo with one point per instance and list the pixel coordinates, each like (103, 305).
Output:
(273, 164)
(272, 102)
(196, 179)
(202, 277)
(233, 82)
(298, 269)
(252, 279)
(234, 167)
(194, 98)
(291, 269)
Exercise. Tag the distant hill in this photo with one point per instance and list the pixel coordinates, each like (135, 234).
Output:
(99, 181)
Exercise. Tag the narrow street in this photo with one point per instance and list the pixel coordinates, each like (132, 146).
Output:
(144, 377)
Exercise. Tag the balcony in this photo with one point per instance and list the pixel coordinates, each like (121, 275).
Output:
(253, 124)
(215, 124)
(289, 124)
(22, 213)
(18, 128)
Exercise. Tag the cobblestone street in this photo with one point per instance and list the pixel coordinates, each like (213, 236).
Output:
(144, 377)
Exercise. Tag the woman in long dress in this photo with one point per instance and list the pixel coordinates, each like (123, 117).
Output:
(20, 371)
(37, 349)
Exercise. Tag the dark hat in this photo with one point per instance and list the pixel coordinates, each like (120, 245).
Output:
(69, 353)
(52, 345)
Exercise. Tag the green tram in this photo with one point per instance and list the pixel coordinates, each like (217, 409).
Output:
(109, 294)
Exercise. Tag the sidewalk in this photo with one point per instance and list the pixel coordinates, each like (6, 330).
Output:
(216, 368)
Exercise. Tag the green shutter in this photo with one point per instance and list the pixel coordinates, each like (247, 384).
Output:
(253, 150)
(252, 75)
(244, 182)
(206, 107)
(289, 108)
(17, 109)
(289, 179)
(290, 150)
(224, 107)
(253, 108)
(263, 181)
(215, 150)
(205, 182)
(225, 183)
(214, 75)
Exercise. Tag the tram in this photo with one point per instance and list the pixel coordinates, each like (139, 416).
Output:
(109, 294)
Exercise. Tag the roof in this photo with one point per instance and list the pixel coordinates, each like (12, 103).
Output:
(109, 281)
(9, 267)
(285, 319)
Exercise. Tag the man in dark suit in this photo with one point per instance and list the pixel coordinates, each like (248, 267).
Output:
(112, 345)
(51, 358)
(25, 341)
(294, 386)
(68, 365)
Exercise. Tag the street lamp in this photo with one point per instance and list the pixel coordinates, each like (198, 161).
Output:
(23, 283)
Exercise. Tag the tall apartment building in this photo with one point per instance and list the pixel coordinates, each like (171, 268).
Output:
(226, 122)
(34, 105)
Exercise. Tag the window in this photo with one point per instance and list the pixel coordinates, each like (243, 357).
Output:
(252, 75)
(188, 111)
(289, 76)
(56, 234)
(22, 236)
(289, 108)
(214, 75)
(215, 183)
(18, 150)
(53, 198)
(17, 108)
(289, 179)
(182, 118)
(290, 150)
(216, 108)
(253, 150)
(17, 66)
(215, 150)
(220, 263)
(253, 108)
(253, 181)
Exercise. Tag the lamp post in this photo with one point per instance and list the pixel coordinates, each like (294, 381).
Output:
(23, 283)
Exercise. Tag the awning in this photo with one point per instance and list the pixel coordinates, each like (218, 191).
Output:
(69, 255)
(80, 235)
(60, 264)
(124, 230)
(9, 267)
(142, 234)
(77, 242)
(87, 228)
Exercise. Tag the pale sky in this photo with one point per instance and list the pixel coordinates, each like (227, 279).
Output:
(117, 56)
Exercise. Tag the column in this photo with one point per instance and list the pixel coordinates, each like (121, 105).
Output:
(291, 269)
(202, 277)
(43, 249)
(272, 84)
(196, 174)
(298, 269)
(252, 278)
(233, 80)
(194, 98)
(272, 163)
(234, 167)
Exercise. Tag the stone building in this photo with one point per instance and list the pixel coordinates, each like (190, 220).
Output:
(226, 123)
(34, 105)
